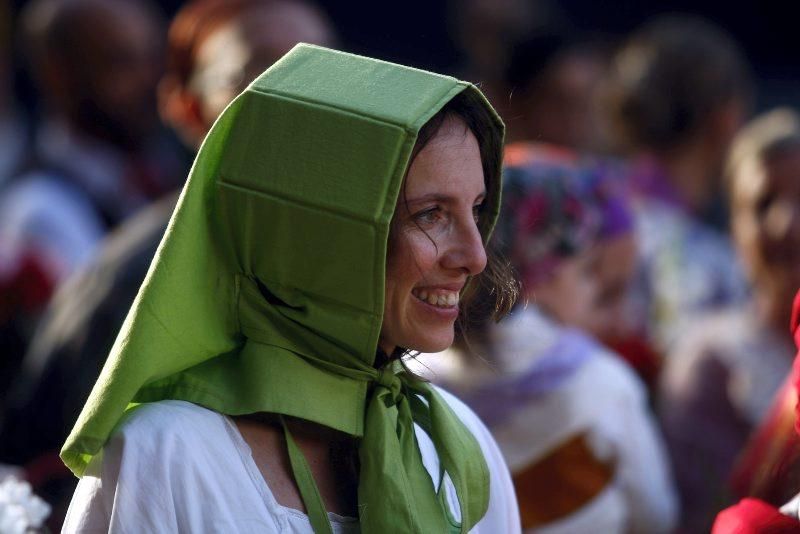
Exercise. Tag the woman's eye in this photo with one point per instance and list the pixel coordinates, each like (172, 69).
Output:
(477, 211)
(763, 204)
(429, 216)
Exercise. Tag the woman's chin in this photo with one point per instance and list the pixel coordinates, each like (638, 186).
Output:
(435, 344)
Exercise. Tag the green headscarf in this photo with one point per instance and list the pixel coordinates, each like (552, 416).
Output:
(267, 291)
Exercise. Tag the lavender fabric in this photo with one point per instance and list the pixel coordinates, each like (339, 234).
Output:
(617, 219)
(648, 180)
(494, 403)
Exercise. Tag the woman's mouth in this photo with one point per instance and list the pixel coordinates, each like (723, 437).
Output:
(441, 298)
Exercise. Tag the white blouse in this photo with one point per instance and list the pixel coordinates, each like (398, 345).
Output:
(173, 466)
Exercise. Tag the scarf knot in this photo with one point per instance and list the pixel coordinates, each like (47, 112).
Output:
(388, 378)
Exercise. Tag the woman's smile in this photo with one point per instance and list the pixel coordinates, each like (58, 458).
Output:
(440, 298)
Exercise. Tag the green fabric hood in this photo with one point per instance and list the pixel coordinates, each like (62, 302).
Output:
(266, 293)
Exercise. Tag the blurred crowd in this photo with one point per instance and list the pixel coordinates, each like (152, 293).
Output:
(651, 216)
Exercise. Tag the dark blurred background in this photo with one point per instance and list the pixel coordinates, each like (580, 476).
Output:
(104, 102)
(426, 34)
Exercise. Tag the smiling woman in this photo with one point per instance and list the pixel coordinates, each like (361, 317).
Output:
(335, 214)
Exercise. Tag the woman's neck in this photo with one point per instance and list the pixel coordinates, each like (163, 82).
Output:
(331, 455)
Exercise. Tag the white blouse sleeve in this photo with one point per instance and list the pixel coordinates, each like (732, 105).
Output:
(121, 491)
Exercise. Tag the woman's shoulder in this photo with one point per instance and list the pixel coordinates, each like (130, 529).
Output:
(606, 369)
(173, 466)
(165, 430)
(168, 417)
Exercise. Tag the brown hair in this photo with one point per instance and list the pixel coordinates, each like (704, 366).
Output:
(769, 135)
(192, 25)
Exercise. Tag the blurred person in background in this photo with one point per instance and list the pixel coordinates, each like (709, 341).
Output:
(99, 153)
(753, 515)
(679, 92)
(769, 468)
(15, 138)
(486, 30)
(554, 79)
(614, 265)
(14, 130)
(571, 419)
(218, 47)
(215, 49)
(615, 320)
(723, 376)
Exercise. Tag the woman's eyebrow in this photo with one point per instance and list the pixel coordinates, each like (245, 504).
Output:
(438, 197)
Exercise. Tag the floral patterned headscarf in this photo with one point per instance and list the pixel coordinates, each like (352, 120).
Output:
(555, 206)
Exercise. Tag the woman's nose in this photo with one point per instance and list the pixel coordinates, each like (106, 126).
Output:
(783, 221)
(466, 250)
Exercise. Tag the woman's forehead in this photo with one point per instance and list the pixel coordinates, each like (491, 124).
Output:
(451, 161)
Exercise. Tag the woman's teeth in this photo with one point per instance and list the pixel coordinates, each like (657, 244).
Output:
(441, 299)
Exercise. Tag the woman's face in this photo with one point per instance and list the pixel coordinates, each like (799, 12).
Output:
(615, 264)
(766, 223)
(434, 245)
(568, 294)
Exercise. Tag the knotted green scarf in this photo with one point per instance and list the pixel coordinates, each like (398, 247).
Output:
(266, 293)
